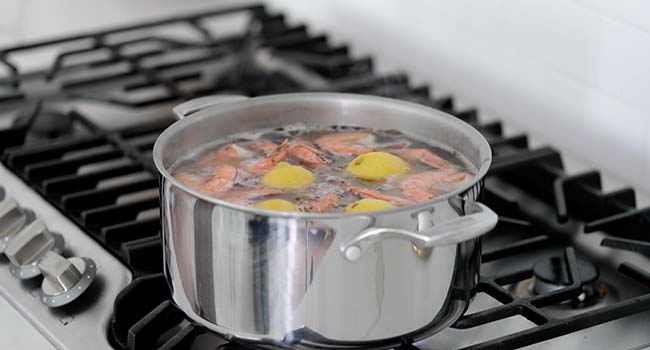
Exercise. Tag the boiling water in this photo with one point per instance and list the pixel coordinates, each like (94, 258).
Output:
(331, 177)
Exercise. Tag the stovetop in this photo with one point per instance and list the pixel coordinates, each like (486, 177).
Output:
(566, 267)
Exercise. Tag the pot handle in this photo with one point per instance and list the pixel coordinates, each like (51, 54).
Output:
(479, 220)
(192, 106)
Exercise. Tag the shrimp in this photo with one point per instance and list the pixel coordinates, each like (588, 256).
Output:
(368, 193)
(422, 155)
(277, 155)
(223, 154)
(323, 204)
(233, 151)
(300, 151)
(305, 154)
(261, 166)
(348, 143)
(220, 181)
(189, 180)
(421, 186)
(262, 146)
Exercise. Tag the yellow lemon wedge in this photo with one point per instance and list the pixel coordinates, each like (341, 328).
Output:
(376, 166)
(368, 204)
(287, 176)
(277, 204)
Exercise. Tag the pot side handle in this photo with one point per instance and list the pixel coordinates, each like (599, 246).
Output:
(479, 220)
(192, 106)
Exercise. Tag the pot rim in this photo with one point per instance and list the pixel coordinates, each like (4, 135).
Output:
(208, 112)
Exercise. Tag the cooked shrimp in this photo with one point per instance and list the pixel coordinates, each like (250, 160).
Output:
(348, 143)
(422, 155)
(368, 193)
(277, 155)
(223, 154)
(260, 167)
(422, 186)
(220, 181)
(262, 146)
(189, 180)
(323, 204)
(300, 151)
(305, 154)
(233, 151)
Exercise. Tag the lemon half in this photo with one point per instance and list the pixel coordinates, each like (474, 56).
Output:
(287, 176)
(377, 166)
(277, 204)
(368, 204)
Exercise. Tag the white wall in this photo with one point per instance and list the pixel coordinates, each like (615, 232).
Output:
(576, 72)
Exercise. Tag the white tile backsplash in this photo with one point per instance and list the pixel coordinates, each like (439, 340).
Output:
(10, 11)
(556, 33)
(574, 71)
(633, 12)
(625, 64)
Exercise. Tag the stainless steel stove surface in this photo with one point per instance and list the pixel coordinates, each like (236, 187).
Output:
(85, 320)
(567, 266)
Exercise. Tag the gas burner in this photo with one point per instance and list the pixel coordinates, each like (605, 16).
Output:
(550, 275)
(40, 123)
(48, 125)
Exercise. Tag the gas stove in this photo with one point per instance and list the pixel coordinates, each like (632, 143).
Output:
(566, 267)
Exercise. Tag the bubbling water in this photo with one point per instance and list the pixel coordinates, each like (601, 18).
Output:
(331, 177)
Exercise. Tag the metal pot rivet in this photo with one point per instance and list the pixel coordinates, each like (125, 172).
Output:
(353, 253)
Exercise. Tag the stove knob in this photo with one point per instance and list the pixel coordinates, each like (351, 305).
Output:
(12, 219)
(65, 279)
(28, 246)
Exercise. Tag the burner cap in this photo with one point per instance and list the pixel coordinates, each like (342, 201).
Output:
(551, 274)
(52, 124)
(48, 124)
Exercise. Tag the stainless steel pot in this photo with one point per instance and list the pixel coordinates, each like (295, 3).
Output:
(320, 280)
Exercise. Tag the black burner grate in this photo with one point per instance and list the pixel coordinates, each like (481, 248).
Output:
(105, 181)
(547, 327)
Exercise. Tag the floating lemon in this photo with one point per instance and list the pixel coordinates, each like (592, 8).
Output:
(287, 176)
(276, 204)
(376, 166)
(368, 204)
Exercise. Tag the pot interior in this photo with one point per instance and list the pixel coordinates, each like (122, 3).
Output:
(418, 121)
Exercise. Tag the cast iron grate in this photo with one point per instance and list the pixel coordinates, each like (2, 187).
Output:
(105, 182)
(547, 327)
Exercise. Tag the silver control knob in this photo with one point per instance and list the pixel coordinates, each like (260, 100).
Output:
(12, 219)
(65, 279)
(29, 246)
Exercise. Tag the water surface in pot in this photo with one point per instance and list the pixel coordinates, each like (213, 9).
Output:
(338, 168)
